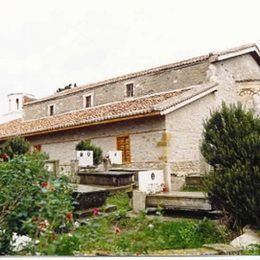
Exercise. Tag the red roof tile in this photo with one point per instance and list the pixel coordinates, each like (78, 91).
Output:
(123, 109)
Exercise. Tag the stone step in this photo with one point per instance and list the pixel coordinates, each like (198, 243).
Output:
(81, 214)
(177, 200)
(89, 196)
(206, 250)
(194, 180)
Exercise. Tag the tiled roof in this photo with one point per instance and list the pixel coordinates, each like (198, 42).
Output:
(123, 109)
(142, 106)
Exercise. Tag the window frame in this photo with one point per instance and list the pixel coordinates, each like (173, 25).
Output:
(49, 110)
(91, 95)
(17, 102)
(132, 91)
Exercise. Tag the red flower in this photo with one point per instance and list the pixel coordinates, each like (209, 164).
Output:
(44, 184)
(164, 188)
(117, 230)
(69, 216)
(95, 211)
(4, 156)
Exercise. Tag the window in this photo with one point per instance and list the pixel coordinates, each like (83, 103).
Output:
(88, 100)
(130, 90)
(17, 103)
(51, 110)
(123, 144)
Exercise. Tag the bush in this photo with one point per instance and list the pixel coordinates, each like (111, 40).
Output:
(87, 146)
(32, 201)
(64, 245)
(15, 146)
(231, 146)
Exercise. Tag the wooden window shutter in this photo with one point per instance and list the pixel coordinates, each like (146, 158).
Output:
(123, 144)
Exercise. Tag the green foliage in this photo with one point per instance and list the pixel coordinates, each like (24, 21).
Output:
(15, 146)
(120, 200)
(63, 245)
(97, 152)
(192, 188)
(33, 201)
(5, 246)
(141, 235)
(252, 250)
(231, 145)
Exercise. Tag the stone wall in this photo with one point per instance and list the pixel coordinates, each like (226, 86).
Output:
(184, 127)
(145, 135)
(157, 82)
(228, 72)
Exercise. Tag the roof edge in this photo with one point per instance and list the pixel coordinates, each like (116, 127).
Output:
(175, 65)
(211, 57)
(244, 49)
(107, 121)
(186, 100)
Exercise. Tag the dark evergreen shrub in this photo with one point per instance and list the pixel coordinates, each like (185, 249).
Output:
(231, 145)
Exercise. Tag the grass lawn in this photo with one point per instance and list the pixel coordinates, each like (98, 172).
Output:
(119, 233)
(192, 188)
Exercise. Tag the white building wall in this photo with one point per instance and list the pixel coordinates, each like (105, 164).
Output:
(184, 127)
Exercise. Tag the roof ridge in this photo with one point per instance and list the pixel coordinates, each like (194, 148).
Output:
(235, 49)
(178, 64)
(212, 57)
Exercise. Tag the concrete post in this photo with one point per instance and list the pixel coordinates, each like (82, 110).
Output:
(167, 176)
(139, 201)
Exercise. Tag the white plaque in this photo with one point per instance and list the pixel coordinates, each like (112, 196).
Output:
(115, 157)
(151, 181)
(85, 158)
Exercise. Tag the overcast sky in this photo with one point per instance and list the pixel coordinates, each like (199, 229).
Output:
(48, 44)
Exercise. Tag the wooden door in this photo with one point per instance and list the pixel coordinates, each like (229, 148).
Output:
(123, 144)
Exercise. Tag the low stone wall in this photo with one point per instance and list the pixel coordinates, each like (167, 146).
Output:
(107, 178)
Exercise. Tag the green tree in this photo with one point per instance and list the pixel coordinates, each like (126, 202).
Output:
(15, 146)
(231, 145)
(87, 146)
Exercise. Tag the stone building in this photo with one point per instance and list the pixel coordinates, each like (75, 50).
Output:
(154, 116)
(16, 102)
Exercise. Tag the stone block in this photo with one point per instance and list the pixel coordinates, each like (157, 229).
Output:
(223, 249)
(250, 237)
(139, 201)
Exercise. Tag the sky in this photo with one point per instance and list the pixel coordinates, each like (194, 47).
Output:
(47, 44)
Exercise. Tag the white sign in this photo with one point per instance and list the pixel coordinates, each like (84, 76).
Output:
(151, 181)
(49, 167)
(115, 157)
(85, 158)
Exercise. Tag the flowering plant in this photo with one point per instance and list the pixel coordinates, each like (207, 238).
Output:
(32, 200)
(95, 211)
